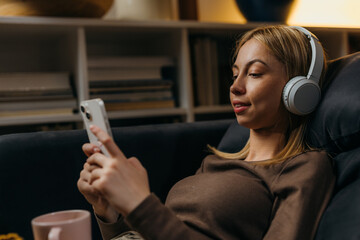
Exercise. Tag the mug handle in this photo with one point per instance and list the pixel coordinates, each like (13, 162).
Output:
(54, 233)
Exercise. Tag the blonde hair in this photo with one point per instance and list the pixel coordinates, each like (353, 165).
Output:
(292, 48)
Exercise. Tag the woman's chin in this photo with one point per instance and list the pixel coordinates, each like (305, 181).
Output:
(243, 122)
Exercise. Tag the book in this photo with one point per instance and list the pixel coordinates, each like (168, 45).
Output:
(23, 113)
(105, 90)
(34, 81)
(206, 72)
(129, 61)
(134, 96)
(214, 72)
(130, 83)
(200, 72)
(208, 87)
(37, 105)
(35, 95)
(118, 106)
(106, 74)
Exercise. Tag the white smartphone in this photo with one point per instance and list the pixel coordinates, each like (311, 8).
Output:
(93, 113)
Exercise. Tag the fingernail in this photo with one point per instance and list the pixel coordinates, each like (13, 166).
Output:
(96, 149)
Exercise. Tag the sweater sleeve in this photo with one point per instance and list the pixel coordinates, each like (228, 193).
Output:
(302, 191)
(153, 220)
(111, 230)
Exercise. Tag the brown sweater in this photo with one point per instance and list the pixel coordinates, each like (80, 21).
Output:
(235, 199)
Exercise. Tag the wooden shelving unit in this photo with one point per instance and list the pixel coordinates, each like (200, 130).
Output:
(39, 44)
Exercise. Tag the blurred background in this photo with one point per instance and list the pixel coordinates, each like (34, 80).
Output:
(337, 13)
(55, 54)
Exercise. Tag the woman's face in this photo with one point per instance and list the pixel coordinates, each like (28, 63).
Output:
(256, 92)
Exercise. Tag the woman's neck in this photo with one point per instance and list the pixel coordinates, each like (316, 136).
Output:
(265, 144)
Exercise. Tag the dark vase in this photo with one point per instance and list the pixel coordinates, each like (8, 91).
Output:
(265, 10)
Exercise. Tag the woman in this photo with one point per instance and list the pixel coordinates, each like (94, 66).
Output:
(275, 188)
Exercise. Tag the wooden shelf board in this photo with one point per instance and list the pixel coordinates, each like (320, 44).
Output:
(146, 113)
(38, 119)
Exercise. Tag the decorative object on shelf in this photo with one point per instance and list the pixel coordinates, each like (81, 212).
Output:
(265, 10)
(143, 10)
(57, 8)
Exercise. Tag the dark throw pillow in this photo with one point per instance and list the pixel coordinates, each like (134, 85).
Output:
(335, 125)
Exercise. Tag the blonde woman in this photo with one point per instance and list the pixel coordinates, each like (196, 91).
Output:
(277, 187)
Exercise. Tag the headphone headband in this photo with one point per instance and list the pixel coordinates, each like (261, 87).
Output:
(317, 57)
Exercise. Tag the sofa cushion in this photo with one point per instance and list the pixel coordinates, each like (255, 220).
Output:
(341, 220)
(347, 165)
(234, 139)
(335, 125)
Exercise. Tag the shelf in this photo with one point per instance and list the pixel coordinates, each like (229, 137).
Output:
(147, 113)
(39, 119)
(47, 44)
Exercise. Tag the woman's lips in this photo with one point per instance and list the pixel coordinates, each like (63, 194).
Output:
(240, 107)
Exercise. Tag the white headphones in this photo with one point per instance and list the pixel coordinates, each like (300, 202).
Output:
(302, 94)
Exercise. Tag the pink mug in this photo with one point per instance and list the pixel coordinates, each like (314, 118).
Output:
(62, 225)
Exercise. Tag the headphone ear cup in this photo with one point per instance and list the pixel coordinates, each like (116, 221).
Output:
(301, 95)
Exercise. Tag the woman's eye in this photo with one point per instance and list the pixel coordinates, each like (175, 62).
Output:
(255, 75)
(234, 78)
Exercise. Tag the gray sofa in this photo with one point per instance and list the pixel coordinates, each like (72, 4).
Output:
(39, 171)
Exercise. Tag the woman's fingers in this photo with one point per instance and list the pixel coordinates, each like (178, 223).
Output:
(89, 149)
(97, 160)
(95, 175)
(85, 175)
(88, 175)
(84, 183)
(108, 142)
(88, 167)
(84, 186)
(122, 182)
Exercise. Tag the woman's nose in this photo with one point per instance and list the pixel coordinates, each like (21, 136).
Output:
(238, 87)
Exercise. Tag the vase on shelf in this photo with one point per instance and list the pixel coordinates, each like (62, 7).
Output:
(265, 10)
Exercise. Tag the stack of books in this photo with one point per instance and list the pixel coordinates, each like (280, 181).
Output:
(129, 83)
(36, 93)
(206, 68)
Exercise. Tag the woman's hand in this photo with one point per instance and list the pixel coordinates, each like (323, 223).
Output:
(101, 206)
(122, 182)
